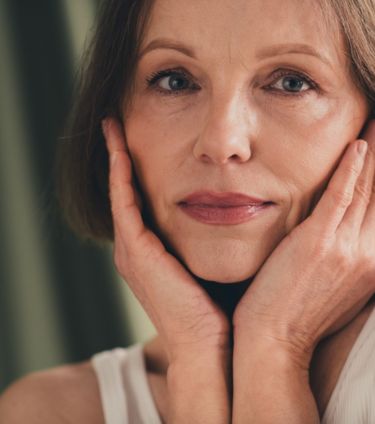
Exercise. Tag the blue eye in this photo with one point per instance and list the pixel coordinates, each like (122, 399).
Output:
(174, 82)
(171, 82)
(292, 84)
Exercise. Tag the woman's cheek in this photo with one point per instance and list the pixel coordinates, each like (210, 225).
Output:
(300, 141)
(297, 112)
(158, 136)
(165, 136)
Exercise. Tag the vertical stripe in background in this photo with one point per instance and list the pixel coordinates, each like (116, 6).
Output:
(29, 327)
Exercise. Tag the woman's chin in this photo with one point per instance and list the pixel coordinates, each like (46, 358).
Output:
(225, 262)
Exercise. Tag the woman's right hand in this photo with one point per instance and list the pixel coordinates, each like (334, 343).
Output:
(194, 330)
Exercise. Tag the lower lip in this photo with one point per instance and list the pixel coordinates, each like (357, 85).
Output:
(229, 215)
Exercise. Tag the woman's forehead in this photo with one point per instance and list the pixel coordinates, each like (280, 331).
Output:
(238, 28)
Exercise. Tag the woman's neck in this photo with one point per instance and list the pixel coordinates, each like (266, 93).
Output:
(225, 295)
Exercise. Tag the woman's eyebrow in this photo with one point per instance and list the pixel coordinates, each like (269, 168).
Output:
(166, 43)
(265, 52)
(288, 48)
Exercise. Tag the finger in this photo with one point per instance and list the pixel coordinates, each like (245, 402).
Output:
(115, 142)
(161, 284)
(126, 215)
(334, 202)
(354, 216)
(118, 144)
(180, 309)
(369, 219)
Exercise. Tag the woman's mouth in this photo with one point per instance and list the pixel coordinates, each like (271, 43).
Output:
(223, 208)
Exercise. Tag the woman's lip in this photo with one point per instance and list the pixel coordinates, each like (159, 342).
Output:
(224, 215)
(225, 199)
(223, 208)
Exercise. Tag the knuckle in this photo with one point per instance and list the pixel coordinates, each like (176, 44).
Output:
(123, 200)
(341, 198)
(367, 260)
(344, 257)
(322, 245)
(353, 170)
(362, 191)
(340, 252)
(320, 250)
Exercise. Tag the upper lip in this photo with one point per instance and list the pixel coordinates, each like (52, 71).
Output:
(221, 199)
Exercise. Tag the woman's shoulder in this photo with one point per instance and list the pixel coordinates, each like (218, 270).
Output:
(64, 394)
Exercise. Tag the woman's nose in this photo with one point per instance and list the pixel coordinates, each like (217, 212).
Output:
(226, 134)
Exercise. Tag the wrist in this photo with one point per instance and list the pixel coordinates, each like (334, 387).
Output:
(199, 362)
(270, 386)
(199, 387)
(260, 356)
(261, 343)
(218, 347)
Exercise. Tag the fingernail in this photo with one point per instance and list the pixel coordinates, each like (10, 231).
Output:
(362, 147)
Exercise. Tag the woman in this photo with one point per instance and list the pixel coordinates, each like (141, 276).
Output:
(241, 209)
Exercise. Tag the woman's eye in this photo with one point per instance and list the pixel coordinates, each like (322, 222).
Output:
(170, 82)
(173, 82)
(178, 82)
(292, 84)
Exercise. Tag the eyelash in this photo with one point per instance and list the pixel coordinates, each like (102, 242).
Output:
(156, 76)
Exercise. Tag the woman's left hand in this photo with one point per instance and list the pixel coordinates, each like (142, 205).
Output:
(323, 272)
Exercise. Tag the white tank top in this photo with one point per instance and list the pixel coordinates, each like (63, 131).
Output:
(124, 390)
(127, 399)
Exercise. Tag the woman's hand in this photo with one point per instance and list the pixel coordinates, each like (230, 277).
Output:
(317, 280)
(194, 330)
(323, 272)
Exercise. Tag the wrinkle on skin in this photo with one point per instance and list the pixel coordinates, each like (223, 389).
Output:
(234, 135)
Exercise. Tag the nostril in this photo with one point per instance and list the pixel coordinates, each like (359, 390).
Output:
(222, 151)
(205, 158)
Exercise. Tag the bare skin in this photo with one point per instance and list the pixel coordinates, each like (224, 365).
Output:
(66, 390)
(326, 365)
(84, 404)
(269, 143)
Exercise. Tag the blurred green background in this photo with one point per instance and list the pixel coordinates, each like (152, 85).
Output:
(60, 299)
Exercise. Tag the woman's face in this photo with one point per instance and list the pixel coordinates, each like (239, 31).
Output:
(257, 99)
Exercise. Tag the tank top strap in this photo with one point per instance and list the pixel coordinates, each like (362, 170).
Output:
(135, 374)
(108, 369)
(125, 393)
(352, 400)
